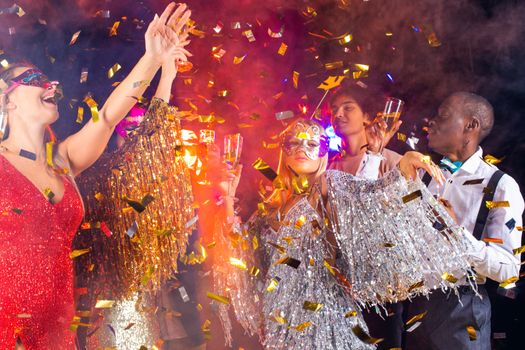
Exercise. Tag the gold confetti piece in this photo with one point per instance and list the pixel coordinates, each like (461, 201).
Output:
(329, 267)
(346, 38)
(238, 60)
(206, 325)
(301, 327)
(401, 137)
(274, 282)
(279, 319)
(264, 168)
(49, 154)
(492, 160)
(312, 306)
(472, 333)
(255, 243)
(80, 115)
(93, 106)
(104, 304)
(295, 79)
(249, 35)
(218, 298)
(255, 271)
(199, 307)
(492, 240)
(449, 277)
(364, 337)
(282, 49)
(281, 249)
(238, 263)
(114, 69)
(518, 250)
(411, 196)
(300, 222)
(519, 228)
(78, 252)
(433, 40)
(416, 285)
(74, 38)
(129, 326)
(333, 65)
(416, 318)
(289, 261)
(48, 194)
(352, 313)
(331, 82)
(113, 30)
(24, 316)
(509, 281)
(497, 204)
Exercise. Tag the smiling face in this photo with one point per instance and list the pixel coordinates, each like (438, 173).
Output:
(305, 146)
(32, 97)
(347, 117)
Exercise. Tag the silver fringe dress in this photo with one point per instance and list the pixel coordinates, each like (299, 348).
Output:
(393, 241)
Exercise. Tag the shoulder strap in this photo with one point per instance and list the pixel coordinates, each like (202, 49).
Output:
(483, 213)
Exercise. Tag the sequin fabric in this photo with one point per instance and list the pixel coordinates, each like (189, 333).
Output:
(36, 277)
(129, 325)
(139, 201)
(279, 316)
(395, 238)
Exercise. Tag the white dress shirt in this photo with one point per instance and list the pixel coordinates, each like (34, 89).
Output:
(493, 260)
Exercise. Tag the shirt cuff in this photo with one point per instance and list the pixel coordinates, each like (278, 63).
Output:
(477, 249)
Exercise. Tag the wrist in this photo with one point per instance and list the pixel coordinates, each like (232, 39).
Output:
(152, 59)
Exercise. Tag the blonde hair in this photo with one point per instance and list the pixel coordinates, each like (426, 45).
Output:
(286, 176)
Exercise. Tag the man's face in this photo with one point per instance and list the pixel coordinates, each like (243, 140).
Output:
(446, 131)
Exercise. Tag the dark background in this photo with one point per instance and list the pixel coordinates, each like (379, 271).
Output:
(480, 49)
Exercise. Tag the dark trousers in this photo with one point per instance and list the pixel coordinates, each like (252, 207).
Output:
(444, 327)
(389, 327)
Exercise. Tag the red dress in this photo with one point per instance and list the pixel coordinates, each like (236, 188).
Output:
(36, 272)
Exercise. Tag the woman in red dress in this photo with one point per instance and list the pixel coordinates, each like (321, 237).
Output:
(40, 208)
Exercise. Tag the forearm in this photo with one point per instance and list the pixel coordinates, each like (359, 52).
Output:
(126, 93)
(492, 260)
(164, 88)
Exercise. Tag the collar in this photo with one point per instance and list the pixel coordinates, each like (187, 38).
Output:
(472, 164)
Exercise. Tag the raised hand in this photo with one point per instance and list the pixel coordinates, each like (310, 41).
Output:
(412, 161)
(167, 35)
(378, 135)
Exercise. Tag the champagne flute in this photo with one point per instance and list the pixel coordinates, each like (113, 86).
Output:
(391, 114)
(232, 152)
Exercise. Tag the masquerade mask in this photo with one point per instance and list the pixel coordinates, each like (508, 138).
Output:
(306, 138)
(35, 77)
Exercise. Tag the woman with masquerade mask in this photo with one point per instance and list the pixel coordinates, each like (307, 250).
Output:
(308, 260)
(41, 208)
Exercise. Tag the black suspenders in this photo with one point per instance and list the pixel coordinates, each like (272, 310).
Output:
(488, 195)
(483, 213)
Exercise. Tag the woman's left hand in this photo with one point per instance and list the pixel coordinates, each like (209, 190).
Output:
(165, 36)
(412, 161)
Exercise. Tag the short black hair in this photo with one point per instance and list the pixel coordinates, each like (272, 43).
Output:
(473, 105)
(369, 99)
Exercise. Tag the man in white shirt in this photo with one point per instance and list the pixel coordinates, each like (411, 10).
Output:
(463, 322)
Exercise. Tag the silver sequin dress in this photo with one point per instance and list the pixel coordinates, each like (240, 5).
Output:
(393, 240)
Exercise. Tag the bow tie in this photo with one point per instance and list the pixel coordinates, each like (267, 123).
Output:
(446, 163)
